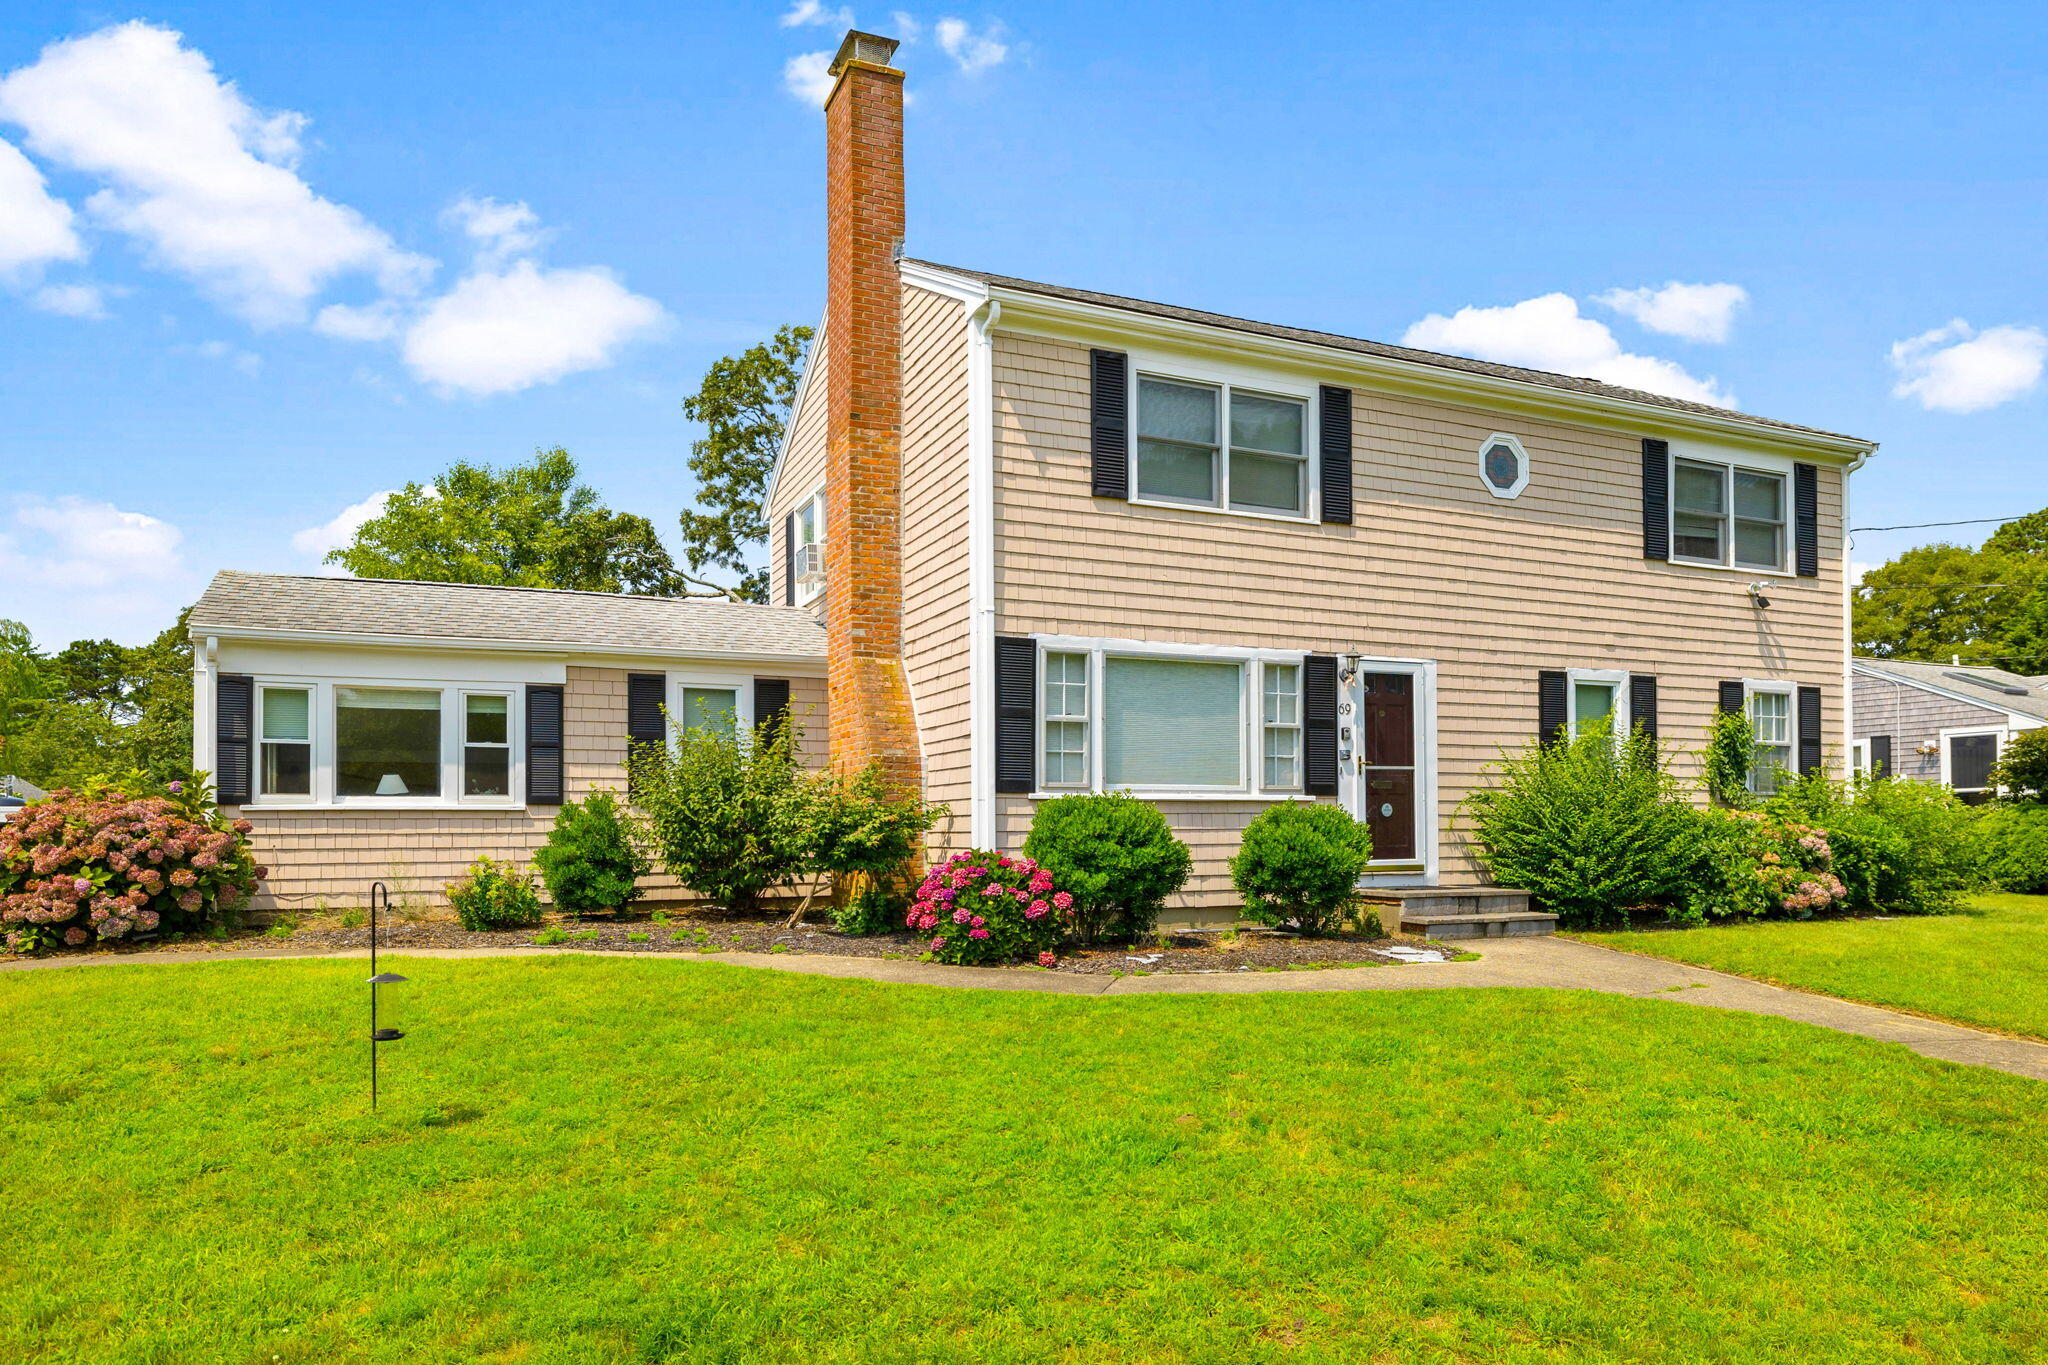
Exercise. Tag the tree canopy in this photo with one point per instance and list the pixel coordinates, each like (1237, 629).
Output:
(529, 525)
(744, 403)
(95, 708)
(1986, 605)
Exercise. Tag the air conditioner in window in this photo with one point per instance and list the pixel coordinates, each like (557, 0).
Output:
(809, 566)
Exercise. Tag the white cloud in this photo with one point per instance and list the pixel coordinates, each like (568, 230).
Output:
(974, 52)
(368, 322)
(1549, 333)
(808, 76)
(501, 332)
(812, 12)
(81, 569)
(35, 228)
(195, 173)
(501, 231)
(71, 300)
(1696, 312)
(315, 541)
(907, 27)
(243, 362)
(1959, 369)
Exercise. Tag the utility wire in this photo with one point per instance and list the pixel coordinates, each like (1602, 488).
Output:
(1923, 525)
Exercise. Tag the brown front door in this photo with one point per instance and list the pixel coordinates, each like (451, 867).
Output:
(1386, 763)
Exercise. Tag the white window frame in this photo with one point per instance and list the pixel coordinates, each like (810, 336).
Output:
(2002, 734)
(1859, 757)
(1226, 380)
(312, 729)
(1617, 678)
(463, 745)
(453, 729)
(1513, 490)
(740, 684)
(1298, 727)
(815, 506)
(1086, 720)
(1251, 734)
(1751, 687)
(1730, 466)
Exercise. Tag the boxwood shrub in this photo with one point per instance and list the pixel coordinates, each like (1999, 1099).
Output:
(1299, 864)
(1116, 855)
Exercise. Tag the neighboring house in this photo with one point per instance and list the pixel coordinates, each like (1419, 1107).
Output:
(24, 790)
(1940, 722)
(380, 730)
(1063, 541)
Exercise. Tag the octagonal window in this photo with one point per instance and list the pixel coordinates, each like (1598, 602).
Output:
(1503, 465)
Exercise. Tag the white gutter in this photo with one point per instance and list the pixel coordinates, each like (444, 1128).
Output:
(981, 571)
(474, 645)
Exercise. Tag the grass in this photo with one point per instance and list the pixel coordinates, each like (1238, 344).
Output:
(634, 1160)
(1985, 965)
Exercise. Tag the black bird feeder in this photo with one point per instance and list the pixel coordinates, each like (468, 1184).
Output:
(380, 1030)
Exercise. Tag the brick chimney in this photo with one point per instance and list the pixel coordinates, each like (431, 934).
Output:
(871, 717)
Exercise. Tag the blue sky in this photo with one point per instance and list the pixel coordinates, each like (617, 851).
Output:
(259, 263)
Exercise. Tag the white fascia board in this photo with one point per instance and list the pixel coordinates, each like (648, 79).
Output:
(591, 654)
(1024, 311)
(796, 406)
(1986, 703)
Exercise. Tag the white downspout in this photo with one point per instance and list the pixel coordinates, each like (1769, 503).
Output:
(1848, 627)
(205, 679)
(981, 572)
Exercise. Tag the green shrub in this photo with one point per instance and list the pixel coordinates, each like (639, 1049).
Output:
(591, 860)
(1749, 864)
(1591, 829)
(1900, 846)
(855, 827)
(2011, 847)
(983, 906)
(1299, 864)
(1117, 856)
(495, 896)
(1731, 751)
(726, 817)
(870, 910)
(547, 938)
(2021, 773)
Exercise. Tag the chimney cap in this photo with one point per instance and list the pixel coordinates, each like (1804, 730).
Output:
(871, 48)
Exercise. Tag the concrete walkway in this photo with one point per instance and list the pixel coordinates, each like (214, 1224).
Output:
(1552, 963)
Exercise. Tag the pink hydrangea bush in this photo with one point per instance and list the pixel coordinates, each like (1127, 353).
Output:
(100, 863)
(1758, 865)
(980, 906)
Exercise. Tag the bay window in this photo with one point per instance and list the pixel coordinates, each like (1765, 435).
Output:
(1727, 515)
(1114, 718)
(1213, 445)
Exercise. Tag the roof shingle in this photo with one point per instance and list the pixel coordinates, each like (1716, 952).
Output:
(1980, 683)
(546, 618)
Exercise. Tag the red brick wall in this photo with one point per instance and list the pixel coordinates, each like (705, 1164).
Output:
(870, 709)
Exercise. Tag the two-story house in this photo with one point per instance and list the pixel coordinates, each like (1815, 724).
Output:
(1048, 541)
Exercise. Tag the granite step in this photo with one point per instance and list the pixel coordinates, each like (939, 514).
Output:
(1493, 924)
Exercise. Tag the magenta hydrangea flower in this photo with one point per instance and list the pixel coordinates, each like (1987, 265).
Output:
(1062, 900)
(961, 916)
(1047, 959)
(977, 933)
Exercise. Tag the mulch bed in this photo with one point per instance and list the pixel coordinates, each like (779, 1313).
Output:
(1247, 951)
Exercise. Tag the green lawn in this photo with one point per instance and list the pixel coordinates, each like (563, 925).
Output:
(630, 1160)
(1987, 965)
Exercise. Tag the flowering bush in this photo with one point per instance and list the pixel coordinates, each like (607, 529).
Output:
(495, 895)
(98, 862)
(1754, 865)
(980, 906)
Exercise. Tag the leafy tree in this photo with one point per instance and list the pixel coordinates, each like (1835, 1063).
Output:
(96, 709)
(530, 525)
(24, 679)
(2027, 535)
(744, 403)
(2021, 773)
(1937, 600)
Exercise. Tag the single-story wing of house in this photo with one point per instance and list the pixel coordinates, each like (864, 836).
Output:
(381, 730)
(1940, 722)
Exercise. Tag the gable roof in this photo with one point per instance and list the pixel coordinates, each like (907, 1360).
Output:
(1975, 683)
(1380, 349)
(552, 620)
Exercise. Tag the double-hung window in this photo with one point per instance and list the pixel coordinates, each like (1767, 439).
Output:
(1115, 719)
(286, 736)
(486, 744)
(1597, 696)
(807, 548)
(1214, 445)
(1728, 515)
(1770, 720)
(710, 711)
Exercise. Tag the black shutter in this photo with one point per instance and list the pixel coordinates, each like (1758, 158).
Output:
(1809, 730)
(771, 703)
(1656, 499)
(1806, 520)
(1333, 439)
(645, 723)
(1016, 713)
(1642, 702)
(1109, 430)
(1551, 719)
(1319, 724)
(1880, 755)
(234, 722)
(543, 745)
(1731, 697)
(789, 548)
